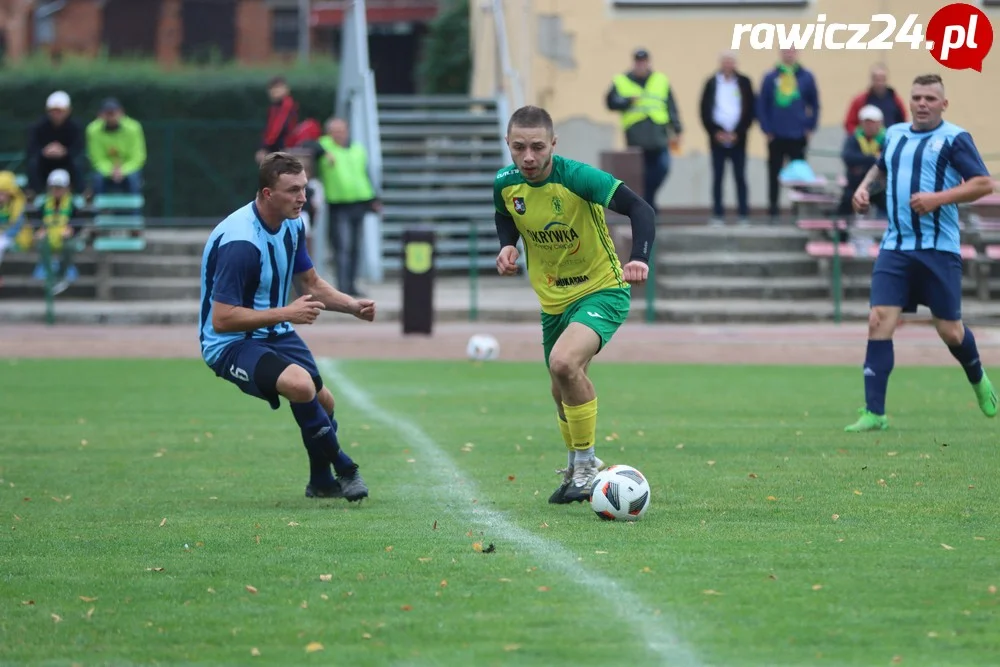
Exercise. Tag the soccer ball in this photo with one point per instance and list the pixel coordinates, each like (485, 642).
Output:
(620, 493)
(483, 347)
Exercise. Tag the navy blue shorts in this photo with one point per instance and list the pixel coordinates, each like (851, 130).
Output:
(238, 363)
(908, 278)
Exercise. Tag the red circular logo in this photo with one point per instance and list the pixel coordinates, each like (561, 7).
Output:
(959, 36)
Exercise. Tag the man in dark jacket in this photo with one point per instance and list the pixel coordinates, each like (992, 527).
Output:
(727, 112)
(55, 142)
(788, 113)
(861, 150)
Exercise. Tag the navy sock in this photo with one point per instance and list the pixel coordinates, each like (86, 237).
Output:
(879, 361)
(342, 463)
(318, 438)
(968, 355)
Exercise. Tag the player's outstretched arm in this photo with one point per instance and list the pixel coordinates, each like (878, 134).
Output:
(309, 283)
(643, 219)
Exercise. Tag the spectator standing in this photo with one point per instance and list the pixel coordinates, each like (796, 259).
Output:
(727, 112)
(282, 117)
(788, 113)
(649, 119)
(343, 169)
(881, 95)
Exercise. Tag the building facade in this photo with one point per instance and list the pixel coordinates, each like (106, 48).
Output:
(566, 52)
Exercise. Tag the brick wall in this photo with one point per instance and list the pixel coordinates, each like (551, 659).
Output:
(78, 28)
(253, 32)
(169, 33)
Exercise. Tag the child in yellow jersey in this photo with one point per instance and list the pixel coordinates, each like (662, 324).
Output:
(58, 230)
(14, 234)
(556, 206)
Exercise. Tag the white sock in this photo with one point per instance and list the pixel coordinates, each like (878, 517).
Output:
(570, 457)
(585, 455)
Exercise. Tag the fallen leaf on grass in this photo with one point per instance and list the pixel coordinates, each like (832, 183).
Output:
(771, 498)
(154, 569)
(86, 599)
(857, 493)
(435, 526)
(544, 525)
(511, 647)
(896, 659)
(992, 590)
(255, 652)
(932, 634)
(257, 538)
(406, 607)
(947, 547)
(324, 596)
(817, 587)
(711, 592)
(366, 636)
(251, 589)
(411, 460)
(312, 647)
(979, 539)
(293, 523)
(211, 590)
(600, 552)
(326, 577)
(711, 463)
(444, 583)
(835, 517)
(57, 499)
(645, 570)
(510, 478)
(543, 589)
(504, 580)
(891, 453)
(680, 445)
(752, 475)
(27, 602)
(772, 577)
(164, 522)
(90, 612)
(424, 560)
(388, 548)
(56, 618)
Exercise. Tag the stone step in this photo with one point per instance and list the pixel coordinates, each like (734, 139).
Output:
(731, 239)
(744, 264)
(26, 287)
(741, 287)
(156, 289)
(154, 266)
(187, 242)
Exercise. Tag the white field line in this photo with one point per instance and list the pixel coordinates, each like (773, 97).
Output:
(654, 630)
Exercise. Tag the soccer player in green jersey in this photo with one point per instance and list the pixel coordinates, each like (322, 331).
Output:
(556, 205)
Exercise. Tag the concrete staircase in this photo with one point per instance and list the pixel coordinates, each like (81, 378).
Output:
(169, 269)
(440, 157)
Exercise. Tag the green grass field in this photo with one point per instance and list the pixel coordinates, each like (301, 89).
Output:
(154, 514)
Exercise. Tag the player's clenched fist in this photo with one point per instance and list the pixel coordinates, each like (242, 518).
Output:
(364, 309)
(861, 200)
(635, 272)
(507, 261)
(304, 310)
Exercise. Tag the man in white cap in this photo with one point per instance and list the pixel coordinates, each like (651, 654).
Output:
(861, 150)
(55, 142)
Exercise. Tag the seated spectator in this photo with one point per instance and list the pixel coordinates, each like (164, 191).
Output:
(58, 230)
(116, 146)
(861, 150)
(13, 232)
(55, 142)
(881, 95)
(282, 117)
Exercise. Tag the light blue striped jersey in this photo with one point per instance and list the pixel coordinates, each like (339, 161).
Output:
(925, 161)
(247, 264)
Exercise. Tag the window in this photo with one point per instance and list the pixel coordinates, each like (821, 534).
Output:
(625, 4)
(285, 29)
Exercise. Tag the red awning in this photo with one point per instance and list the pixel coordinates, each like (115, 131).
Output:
(331, 13)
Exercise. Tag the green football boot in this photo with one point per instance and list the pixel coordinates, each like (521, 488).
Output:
(868, 421)
(987, 396)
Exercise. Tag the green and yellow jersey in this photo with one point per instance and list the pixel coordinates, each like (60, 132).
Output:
(568, 248)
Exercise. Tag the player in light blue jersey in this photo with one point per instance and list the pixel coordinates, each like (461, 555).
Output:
(927, 169)
(251, 261)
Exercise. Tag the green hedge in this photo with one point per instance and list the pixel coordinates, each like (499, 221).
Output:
(446, 65)
(202, 125)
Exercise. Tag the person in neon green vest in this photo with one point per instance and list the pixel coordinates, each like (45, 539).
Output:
(649, 118)
(343, 169)
(116, 146)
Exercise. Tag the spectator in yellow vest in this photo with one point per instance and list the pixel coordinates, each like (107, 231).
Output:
(343, 169)
(649, 118)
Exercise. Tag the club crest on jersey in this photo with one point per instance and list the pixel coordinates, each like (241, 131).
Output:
(519, 205)
(557, 206)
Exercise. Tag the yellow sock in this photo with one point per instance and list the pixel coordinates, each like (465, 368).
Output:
(564, 428)
(581, 421)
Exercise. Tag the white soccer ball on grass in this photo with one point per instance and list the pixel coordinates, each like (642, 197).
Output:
(483, 347)
(620, 493)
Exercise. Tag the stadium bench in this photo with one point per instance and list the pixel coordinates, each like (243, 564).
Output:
(806, 203)
(117, 228)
